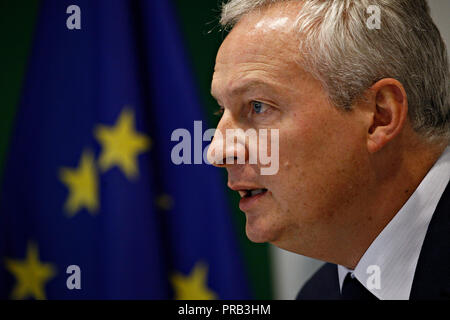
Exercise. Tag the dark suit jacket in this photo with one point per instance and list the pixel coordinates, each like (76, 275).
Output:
(432, 275)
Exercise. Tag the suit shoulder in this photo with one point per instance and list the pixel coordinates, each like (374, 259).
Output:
(323, 285)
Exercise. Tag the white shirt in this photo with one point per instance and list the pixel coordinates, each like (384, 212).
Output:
(395, 252)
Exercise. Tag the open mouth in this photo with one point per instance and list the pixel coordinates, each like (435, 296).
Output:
(251, 192)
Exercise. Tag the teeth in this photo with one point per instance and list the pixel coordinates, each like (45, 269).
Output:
(256, 191)
(251, 193)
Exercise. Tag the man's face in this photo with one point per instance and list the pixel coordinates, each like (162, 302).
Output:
(260, 86)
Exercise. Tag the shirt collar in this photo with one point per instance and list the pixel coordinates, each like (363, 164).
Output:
(396, 249)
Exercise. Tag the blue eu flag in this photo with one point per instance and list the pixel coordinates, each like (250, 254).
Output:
(92, 206)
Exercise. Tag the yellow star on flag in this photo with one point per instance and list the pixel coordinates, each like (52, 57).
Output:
(31, 275)
(193, 286)
(82, 183)
(121, 144)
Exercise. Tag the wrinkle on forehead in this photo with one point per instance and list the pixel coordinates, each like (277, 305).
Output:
(262, 44)
(272, 27)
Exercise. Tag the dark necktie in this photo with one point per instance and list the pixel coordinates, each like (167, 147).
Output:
(352, 289)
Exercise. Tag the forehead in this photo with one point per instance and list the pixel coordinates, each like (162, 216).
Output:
(263, 45)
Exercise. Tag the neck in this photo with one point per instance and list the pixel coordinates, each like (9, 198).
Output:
(395, 173)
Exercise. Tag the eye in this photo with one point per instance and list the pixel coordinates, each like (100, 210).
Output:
(259, 107)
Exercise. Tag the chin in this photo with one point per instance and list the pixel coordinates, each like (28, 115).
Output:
(259, 232)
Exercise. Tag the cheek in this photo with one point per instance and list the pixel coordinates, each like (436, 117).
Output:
(318, 139)
(316, 162)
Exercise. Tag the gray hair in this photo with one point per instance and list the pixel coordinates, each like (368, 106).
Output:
(347, 57)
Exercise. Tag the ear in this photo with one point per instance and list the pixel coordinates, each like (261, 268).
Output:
(389, 107)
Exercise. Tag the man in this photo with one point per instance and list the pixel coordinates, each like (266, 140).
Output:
(363, 115)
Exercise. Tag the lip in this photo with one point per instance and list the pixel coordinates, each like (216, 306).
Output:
(243, 186)
(245, 204)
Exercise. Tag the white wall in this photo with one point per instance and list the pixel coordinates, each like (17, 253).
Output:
(291, 271)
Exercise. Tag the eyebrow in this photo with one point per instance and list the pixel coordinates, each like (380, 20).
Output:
(245, 85)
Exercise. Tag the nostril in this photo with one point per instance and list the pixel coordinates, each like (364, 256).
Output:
(215, 156)
(235, 153)
(231, 160)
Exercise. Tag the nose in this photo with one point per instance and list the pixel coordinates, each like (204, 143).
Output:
(228, 145)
